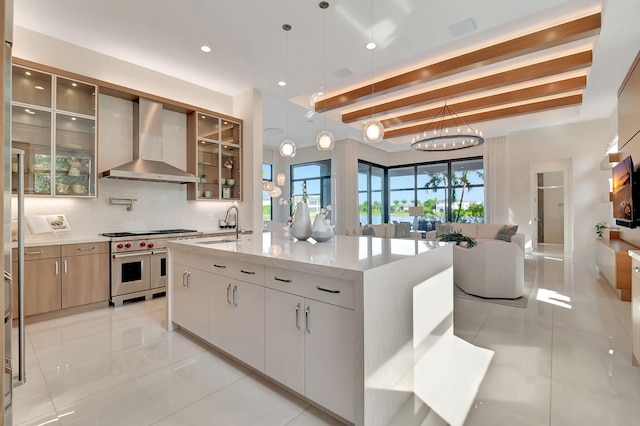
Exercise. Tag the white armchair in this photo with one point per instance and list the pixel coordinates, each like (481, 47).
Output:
(491, 269)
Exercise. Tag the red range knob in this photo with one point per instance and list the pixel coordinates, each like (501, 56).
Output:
(142, 244)
(127, 245)
(120, 245)
(150, 245)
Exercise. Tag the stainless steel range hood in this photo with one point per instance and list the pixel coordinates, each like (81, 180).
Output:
(147, 164)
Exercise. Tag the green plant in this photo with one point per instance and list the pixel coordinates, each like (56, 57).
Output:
(457, 237)
(599, 227)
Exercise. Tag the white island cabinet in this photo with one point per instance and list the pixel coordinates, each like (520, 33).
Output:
(349, 324)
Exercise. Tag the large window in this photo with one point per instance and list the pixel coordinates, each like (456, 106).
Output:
(448, 191)
(317, 175)
(371, 193)
(267, 201)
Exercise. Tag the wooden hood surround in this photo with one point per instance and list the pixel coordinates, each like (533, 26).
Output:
(542, 70)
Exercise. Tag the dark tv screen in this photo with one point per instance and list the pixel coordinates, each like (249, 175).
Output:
(623, 193)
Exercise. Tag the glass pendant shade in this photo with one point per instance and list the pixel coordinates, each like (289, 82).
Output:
(275, 192)
(288, 148)
(373, 131)
(267, 186)
(281, 179)
(325, 141)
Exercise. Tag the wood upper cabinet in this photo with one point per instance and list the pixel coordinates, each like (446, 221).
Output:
(214, 146)
(54, 122)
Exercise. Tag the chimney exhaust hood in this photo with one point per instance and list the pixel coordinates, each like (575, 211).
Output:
(147, 164)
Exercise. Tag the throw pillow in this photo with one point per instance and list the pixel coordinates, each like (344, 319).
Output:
(443, 228)
(368, 230)
(403, 230)
(507, 232)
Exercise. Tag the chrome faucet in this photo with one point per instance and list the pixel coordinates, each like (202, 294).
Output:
(226, 219)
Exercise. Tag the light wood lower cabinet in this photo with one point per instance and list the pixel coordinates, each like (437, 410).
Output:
(59, 277)
(85, 274)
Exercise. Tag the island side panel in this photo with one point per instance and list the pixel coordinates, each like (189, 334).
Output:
(387, 319)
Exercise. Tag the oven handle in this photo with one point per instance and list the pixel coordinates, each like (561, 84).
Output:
(159, 251)
(140, 253)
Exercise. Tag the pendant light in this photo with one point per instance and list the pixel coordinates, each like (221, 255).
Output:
(287, 147)
(325, 139)
(372, 129)
(436, 135)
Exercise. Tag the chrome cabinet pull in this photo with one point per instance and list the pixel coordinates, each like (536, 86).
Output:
(57, 268)
(189, 279)
(247, 272)
(86, 248)
(184, 278)
(32, 252)
(282, 280)
(219, 266)
(298, 316)
(235, 295)
(65, 266)
(328, 290)
(228, 294)
(306, 318)
(636, 269)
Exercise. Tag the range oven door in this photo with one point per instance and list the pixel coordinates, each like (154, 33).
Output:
(159, 269)
(130, 272)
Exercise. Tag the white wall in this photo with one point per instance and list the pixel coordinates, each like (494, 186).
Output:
(159, 205)
(581, 144)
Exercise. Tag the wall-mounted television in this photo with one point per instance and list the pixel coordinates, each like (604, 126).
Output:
(624, 193)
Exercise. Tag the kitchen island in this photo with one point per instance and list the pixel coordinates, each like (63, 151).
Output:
(357, 325)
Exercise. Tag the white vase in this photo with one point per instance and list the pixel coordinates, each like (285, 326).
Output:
(321, 231)
(301, 228)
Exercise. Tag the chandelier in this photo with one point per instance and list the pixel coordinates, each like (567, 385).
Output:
(446, 132)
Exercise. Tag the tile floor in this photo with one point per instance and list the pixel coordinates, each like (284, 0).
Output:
(564, 360)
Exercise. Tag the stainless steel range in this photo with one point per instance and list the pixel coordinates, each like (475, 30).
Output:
(139, 262)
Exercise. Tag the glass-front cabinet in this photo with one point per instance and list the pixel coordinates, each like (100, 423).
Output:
(54, 122)
(215, 156)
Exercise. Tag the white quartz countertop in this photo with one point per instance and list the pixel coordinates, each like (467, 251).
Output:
(635, 254)
(348, 253)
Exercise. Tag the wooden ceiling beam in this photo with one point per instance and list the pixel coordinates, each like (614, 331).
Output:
(563, 33)
(530, 72)
(525, 94)
(509, 111)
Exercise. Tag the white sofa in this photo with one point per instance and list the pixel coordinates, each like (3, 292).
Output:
(385, 230)
(481, 232)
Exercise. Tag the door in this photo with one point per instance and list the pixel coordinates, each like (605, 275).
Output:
(284, 338)
(190, 299)
(42, 291)
(220, 310)
(248, 323)
(85, 279)
(131, 272)
(549, 206)
(329, 357)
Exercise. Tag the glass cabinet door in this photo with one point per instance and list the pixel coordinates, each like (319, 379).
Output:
(218, 158)
(75, 155)
(54, 122)
(31, 132)
(208, 170)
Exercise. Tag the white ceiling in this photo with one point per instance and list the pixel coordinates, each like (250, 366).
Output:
(250, 49)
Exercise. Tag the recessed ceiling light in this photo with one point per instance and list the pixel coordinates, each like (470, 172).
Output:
(371, 45)
(73, 119)
(205, 49)
(38, 87)
(282, 83)
(203, 117)
(27, 72)
(74, 84)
